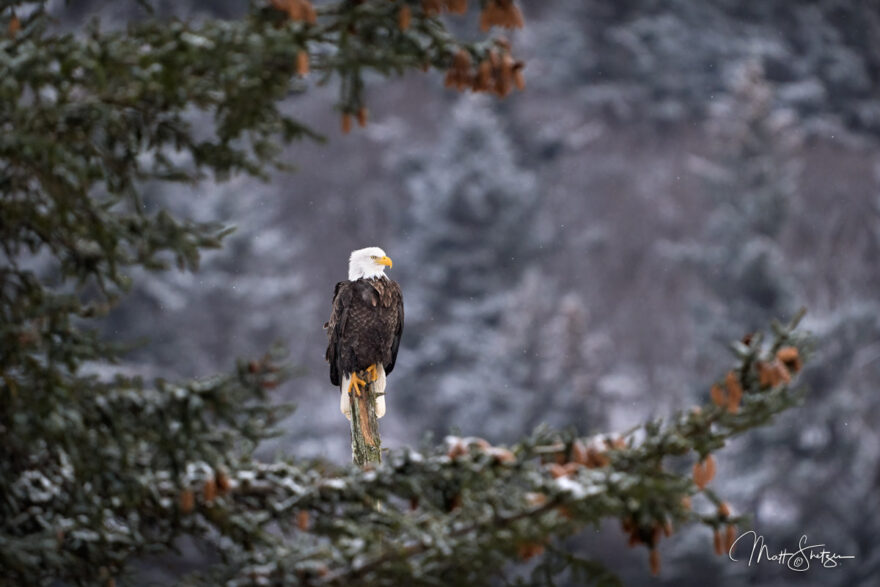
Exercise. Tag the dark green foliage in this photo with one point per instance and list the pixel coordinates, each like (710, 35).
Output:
(98, 467)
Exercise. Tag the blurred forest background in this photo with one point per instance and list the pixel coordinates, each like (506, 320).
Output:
(580, 253)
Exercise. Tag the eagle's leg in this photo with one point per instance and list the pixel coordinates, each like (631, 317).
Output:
(373, 372)
(356, 382)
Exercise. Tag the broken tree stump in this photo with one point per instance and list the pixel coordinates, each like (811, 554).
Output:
(366, 444)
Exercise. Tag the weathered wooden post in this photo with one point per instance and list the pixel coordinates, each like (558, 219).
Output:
(366, 444)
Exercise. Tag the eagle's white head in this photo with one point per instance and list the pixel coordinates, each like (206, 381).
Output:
(367, 263)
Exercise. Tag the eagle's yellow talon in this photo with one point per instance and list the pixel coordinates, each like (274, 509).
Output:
(373, 372)
(356, 382)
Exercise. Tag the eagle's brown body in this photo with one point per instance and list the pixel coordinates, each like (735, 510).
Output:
(364, 327)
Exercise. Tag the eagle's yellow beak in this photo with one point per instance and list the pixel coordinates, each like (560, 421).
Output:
(384, 261)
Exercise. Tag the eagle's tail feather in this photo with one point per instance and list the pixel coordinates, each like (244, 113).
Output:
(344, 406)
(378, 386)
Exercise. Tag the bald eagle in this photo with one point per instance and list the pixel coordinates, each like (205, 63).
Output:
(364, 327)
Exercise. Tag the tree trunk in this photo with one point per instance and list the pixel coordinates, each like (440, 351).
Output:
(366, 444)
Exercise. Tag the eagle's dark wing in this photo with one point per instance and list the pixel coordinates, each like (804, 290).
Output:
(395, 342)
(336, 326)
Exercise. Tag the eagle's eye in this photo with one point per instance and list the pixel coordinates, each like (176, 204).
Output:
(373, 257)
